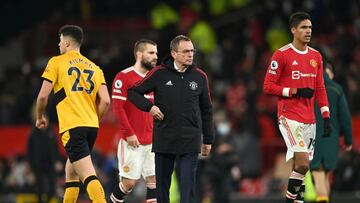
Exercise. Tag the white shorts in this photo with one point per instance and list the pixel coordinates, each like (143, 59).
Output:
(299, 137)
(135, 162)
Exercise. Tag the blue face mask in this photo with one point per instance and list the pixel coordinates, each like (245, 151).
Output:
(223, 128)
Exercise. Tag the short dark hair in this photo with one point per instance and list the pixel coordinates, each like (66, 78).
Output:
(73, 31)
(297, 17)
(140, 45)
(174, 44)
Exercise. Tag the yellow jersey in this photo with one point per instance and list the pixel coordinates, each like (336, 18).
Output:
(76, 81)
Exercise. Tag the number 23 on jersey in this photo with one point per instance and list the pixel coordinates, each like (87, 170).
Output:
(76, 87)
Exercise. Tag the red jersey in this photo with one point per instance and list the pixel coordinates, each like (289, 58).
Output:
(292, 68)
(131, 120)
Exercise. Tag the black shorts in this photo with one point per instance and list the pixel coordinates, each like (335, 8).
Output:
(78, 142)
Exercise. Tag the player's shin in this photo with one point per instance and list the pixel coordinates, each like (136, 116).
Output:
(294, 186)
(118, 194)
(151, 193)
(95, 190)
(72, 189)
(300, 195)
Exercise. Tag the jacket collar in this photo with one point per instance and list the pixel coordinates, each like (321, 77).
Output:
(168, 62)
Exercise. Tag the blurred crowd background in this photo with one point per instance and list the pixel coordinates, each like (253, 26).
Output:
(234, 41)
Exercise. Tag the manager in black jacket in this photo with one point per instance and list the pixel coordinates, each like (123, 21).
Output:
(182, 113)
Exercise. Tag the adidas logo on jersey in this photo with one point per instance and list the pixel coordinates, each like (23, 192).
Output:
(169, 83)
(295, 62)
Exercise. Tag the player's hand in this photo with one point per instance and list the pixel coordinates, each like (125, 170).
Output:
(304, 92)
(156, 113)
(41, 122)
(133, 141)
(205, 149)
(348, 148)
(58, 166)
(327, 127)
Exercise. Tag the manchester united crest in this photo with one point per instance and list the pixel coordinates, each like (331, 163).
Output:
(302, 144)
(313, 63)
(193, 85)
(126, 169)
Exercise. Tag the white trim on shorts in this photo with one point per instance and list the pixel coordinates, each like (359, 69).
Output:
(135, 162)
(299, 137)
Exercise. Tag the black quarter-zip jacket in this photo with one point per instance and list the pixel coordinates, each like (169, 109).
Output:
(185, 101)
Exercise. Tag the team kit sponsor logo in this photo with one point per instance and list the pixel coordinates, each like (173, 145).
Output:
(169, 83)
(297, 75)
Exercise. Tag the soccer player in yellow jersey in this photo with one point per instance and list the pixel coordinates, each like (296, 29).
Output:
(81, 98)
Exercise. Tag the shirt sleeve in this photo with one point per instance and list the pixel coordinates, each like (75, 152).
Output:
(144, 86)
(119, 97)
(272, 76)
(102, 78)
(320, 92)
(51, 70)
(345, 119)
(206, 112)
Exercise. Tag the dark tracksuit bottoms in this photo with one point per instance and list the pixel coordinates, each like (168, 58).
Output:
(164, 166)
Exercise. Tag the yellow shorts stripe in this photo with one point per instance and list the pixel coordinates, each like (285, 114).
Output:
(65, 138)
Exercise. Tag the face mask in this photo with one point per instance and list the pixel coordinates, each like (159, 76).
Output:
(223, 128)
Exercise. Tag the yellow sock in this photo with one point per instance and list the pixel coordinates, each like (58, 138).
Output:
(72, 189)
(322, 198)
(94, 189)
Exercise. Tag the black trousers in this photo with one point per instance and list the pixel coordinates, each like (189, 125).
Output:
(164, 167)
(45, 184)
